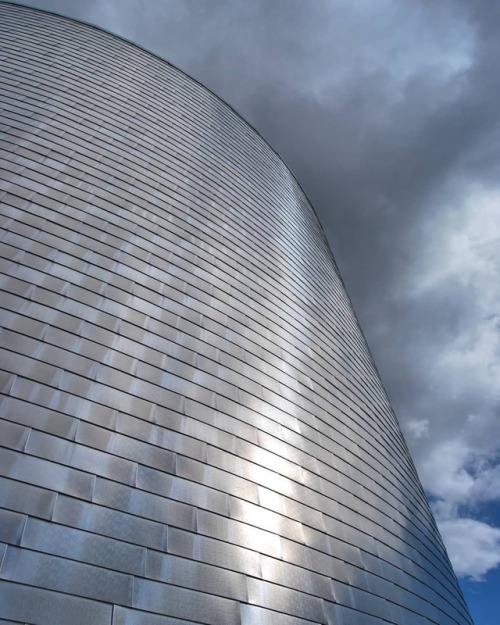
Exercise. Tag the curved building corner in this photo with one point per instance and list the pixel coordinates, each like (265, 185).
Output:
(192, 428)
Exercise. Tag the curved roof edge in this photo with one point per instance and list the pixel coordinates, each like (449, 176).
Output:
(196, 80)
(240, 116)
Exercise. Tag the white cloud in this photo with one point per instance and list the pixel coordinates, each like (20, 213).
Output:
(444, 473)
(461, 261)
(416, 429)
(459, 477)
(473, 546)
(487, 485)
(456, 428)
(462, 243)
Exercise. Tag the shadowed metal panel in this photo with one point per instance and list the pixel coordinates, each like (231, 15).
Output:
(192, 428)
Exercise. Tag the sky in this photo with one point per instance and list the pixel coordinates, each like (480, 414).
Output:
(388, 113)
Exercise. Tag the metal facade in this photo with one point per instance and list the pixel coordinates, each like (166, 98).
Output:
(193, 430)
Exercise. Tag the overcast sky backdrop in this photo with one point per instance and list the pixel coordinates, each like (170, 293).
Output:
(388, 113)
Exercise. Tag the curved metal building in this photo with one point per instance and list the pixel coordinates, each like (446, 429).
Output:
(192, 430)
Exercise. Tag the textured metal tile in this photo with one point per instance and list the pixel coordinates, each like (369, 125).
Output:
(84, 547)
(109, 522)
(81, 457)
(213, 551)
(177, 488)
(127, 616)
(185, 604)
(11, 527)
(26, 499)
(14, 409)
(251, 614)
(53, 573)
(239, 533)
(192, 574)
(44, 607)
(144, 504)
(286, 600)
(13, 436)
(46, 474)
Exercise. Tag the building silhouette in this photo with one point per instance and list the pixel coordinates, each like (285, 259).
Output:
(193, 430)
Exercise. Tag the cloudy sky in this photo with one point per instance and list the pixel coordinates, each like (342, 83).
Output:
(388, 113)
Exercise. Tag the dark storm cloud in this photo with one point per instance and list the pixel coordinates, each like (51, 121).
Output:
(368, 127)
(388, 114)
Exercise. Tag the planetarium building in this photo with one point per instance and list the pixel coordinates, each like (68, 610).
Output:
(192, 428)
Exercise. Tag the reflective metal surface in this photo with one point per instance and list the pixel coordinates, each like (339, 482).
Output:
(192, 428)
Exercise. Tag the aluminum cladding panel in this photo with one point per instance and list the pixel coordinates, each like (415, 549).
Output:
(193, 430)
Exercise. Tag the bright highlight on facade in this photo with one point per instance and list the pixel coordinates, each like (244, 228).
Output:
(192, 430)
